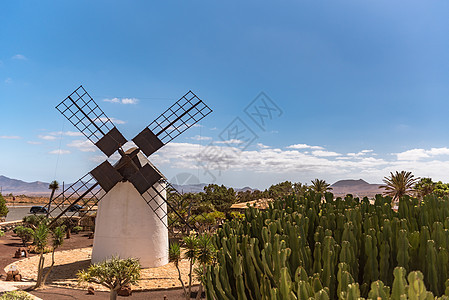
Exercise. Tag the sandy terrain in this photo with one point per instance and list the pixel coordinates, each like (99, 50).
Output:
(69, 262)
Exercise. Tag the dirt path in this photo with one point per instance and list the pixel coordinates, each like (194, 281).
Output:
(9, 244)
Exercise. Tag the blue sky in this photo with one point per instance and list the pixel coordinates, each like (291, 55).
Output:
(361, 86)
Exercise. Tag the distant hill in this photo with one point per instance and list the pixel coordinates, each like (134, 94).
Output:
(19, 187)
(358, 188)
(39, 188)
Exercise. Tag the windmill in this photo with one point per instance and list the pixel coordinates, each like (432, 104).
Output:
(124, 225)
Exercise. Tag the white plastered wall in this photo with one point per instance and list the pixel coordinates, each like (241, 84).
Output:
(126, 226)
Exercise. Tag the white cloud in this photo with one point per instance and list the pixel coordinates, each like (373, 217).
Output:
(122, 101)
(59, 152)
(83, 145)
(34, 143)
(304, 146)
(265, 160)
(113, 100)
(10, 137)
(231, 141)
(19, 57)
(117, 121)
(113, 120)
(360, 153)
(325, 153)
(129, 101)
(47, 137)
(262, 146)
(419, 154)
(200, 138)
(278, 163)
(8, 80)
(66, 133)
(438, 151)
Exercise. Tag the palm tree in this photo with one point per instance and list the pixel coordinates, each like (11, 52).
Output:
(205, 256)
(399, 184)
(320, 186)
(58, 239)
(191, 246)
(40, 240)
(54, 185)
(174, 256)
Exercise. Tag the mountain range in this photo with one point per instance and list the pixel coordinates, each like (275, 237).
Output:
(359, 188)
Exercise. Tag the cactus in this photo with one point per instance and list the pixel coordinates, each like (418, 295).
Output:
(399, 284)
(416, 289)
(342, 249)
(403, 256)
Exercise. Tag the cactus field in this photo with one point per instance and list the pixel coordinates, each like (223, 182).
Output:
(310, 248)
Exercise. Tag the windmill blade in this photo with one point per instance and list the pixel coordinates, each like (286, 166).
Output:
(182, 115)
(82, 111)
(86, 191)
(173, 216)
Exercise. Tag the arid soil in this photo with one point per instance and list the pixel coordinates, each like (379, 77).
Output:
(73, 256)
(25, 200)
(69, 262)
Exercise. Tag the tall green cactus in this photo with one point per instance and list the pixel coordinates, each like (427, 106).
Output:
(304, 248)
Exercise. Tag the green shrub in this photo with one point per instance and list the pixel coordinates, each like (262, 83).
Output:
(237, 215)
(25, 233)
(16, 295)
(34, 220)
(1, 233)
(3, 209)
(113, 274)
(77, 229)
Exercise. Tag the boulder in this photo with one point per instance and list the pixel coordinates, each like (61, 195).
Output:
(21, 252)
(90, 290)
(125, 291)
(9, 276)
(18, 277)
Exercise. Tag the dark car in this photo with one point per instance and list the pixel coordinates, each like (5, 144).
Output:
(38, 210)
(75, 207)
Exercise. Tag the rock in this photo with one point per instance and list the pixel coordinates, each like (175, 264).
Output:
(90, 290)
(18, 254)
(24, 252)
(9, 276)
(21, 252)
(18, 277)
(125, 291)
(15, 272)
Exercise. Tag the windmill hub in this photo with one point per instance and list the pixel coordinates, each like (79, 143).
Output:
(128, 164)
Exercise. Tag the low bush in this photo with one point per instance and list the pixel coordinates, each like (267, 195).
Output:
(25, 233)
(77, 229)
(15, 295)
